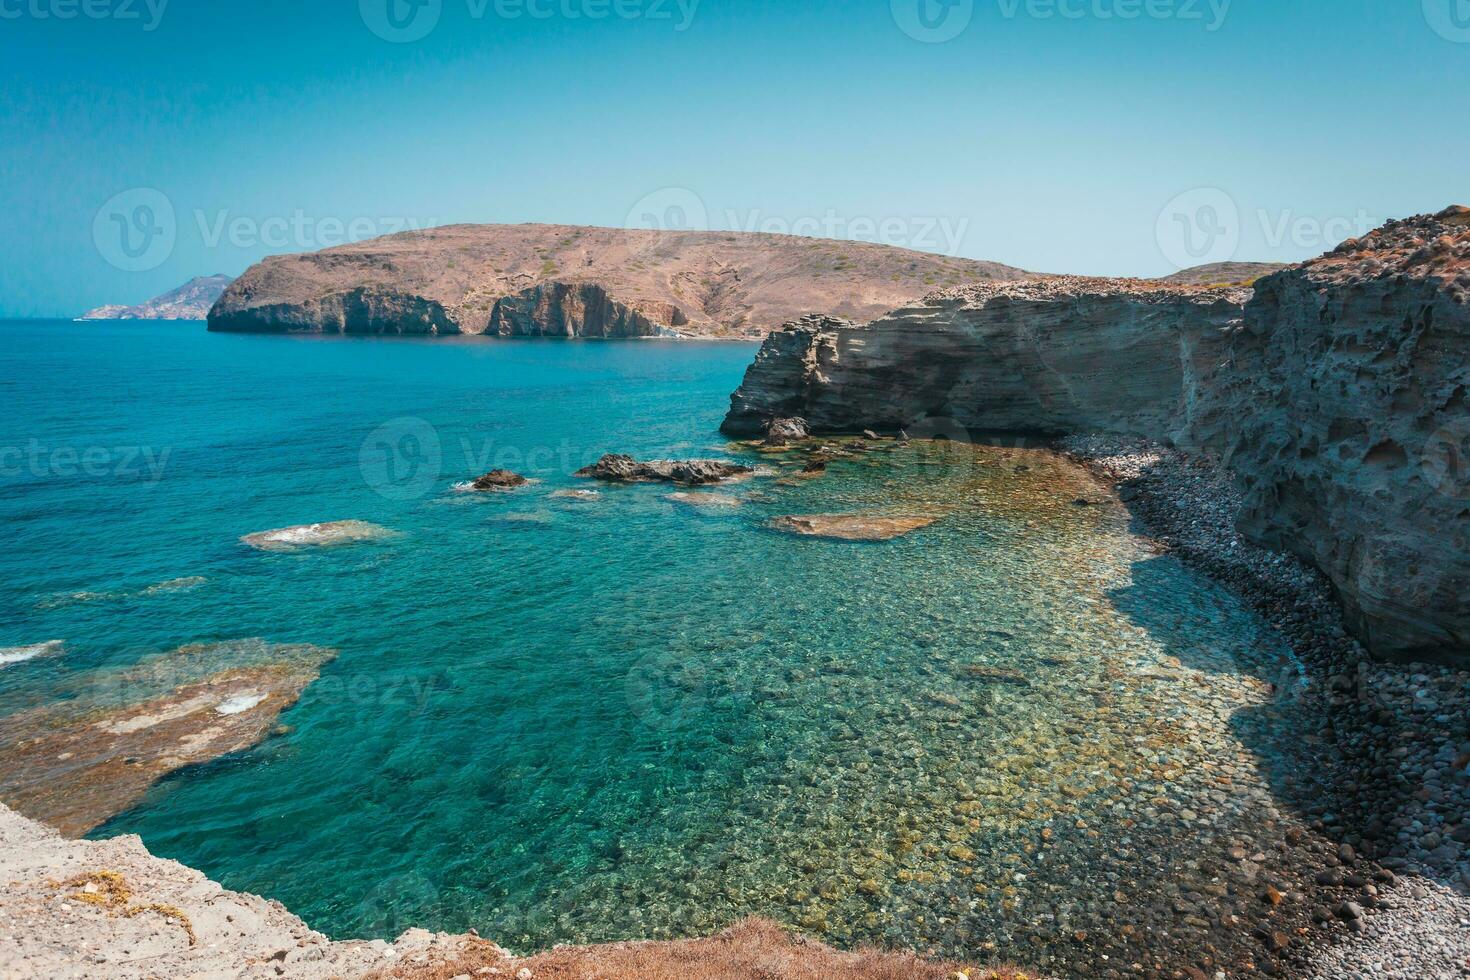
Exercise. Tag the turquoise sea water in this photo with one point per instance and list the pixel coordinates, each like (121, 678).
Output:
(557, 720)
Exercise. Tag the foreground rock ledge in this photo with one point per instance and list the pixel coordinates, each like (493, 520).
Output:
(85, 909)
(78, 762)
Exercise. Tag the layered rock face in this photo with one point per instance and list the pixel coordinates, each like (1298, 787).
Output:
(1044, 356)
(560, 309)
(565, 281)
(1344, 414)
(362, 310)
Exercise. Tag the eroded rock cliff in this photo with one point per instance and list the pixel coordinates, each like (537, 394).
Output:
(1343, 411)
(560, 280)
(560, 309)
(1048, 356)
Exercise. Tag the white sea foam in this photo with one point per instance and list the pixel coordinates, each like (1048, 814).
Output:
(18, 655)
(239, 704)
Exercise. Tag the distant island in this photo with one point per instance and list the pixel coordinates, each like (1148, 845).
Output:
(191, 301)
(536, 280)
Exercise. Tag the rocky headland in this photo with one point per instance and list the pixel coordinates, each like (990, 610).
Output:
(191, 301)
(1334, 391)
(566, 281)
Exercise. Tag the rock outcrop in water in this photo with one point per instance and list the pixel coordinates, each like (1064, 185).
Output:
(617, 468)
(1344, 409)
(565, 281)
(191, 301)
(325, 535)
(1044, 356)
(1340, 397)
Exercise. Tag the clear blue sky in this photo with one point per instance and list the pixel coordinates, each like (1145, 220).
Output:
(1050, 134)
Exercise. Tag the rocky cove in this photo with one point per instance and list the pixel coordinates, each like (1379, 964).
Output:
(1121, 770)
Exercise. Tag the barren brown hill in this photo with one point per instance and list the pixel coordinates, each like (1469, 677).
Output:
(1223, 274)
(567, 281)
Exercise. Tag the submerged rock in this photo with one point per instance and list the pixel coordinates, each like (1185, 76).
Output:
(499, 480)
(176, 585)
(581, 495)
(617, 468)
(18, 655)
(704, 499)
(851, 527)
(76, 763)
(316, 536)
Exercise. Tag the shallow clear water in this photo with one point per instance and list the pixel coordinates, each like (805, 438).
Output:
(556, 720)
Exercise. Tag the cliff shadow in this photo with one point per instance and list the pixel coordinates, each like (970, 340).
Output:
(1324, 746)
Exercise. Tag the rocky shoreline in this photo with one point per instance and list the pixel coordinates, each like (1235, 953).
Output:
(1387, 806)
